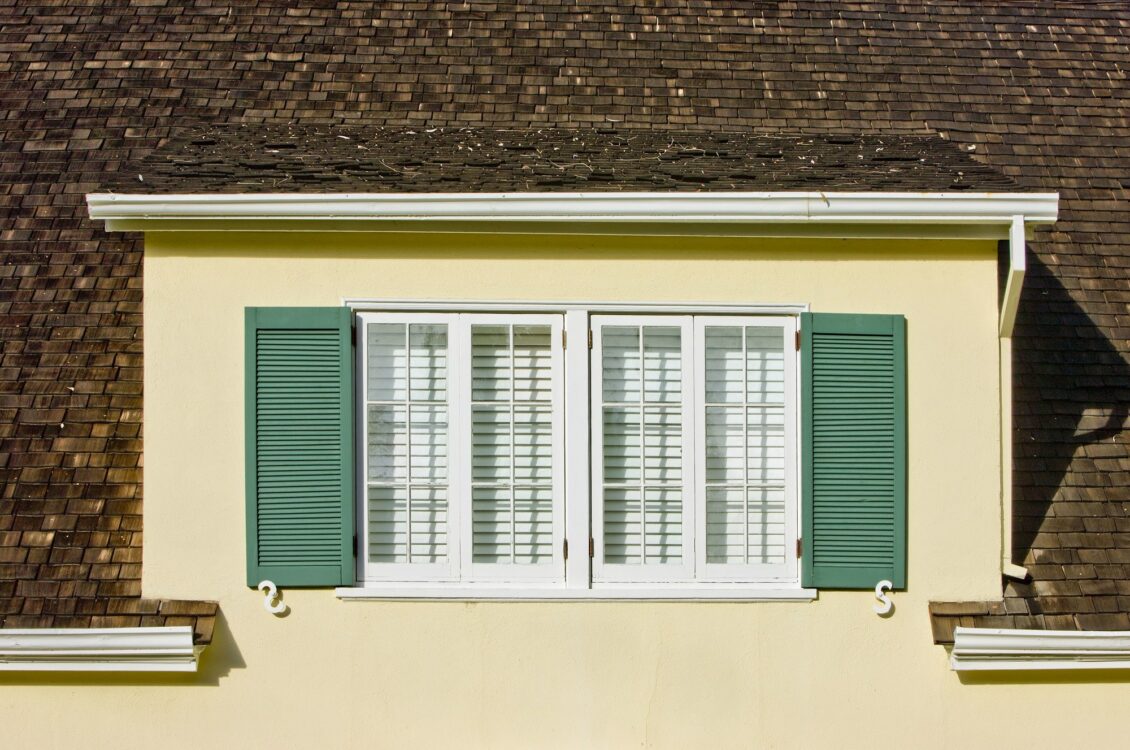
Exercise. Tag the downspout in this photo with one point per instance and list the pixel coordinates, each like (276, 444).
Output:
(1013, 284)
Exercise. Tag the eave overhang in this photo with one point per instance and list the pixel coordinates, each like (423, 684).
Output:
(636, 212)
(156, 649)
(992, 649)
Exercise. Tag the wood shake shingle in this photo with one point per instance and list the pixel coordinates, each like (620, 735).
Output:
(1038, 91)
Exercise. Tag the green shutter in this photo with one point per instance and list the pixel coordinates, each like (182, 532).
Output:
(853, 402)
(299, 431)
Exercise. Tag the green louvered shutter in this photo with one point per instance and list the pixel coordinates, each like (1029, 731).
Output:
(299, 428)
(854, 450)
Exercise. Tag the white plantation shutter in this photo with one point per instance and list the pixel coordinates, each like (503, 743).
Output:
(747, 520)
(463, 446)
(642, 398)
(512, 441)
(407, 427)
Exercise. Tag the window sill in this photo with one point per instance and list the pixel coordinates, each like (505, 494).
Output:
(722, 593)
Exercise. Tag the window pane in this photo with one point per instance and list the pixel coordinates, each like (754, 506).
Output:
(642, 444)
(490, 363)
(407, 442)
(512, 444)
(744, 444)
(620, 361)
(388, 362)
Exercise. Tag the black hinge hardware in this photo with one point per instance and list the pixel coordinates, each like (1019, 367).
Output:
(353, 335)
(799, 547)
(798, 341)
(355, 545)
(592, 548)
(590, 339)
(565, 548)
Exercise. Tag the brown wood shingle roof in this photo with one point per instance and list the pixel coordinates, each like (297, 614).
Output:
(296, 158)
(1038, 89)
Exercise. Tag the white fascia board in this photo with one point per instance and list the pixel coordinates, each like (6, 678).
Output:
(988, 649)
(158, 649)
(649, 207)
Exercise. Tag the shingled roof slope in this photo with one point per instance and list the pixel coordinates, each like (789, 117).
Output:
(1038, 88)
(296, 158)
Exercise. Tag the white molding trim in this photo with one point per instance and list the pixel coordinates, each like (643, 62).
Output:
(362, 304)
(136, 211)
(985, 649)
(158, 649)
(622, 593)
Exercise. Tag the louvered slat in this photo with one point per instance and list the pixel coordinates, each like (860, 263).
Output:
(854, 503)
(299, 415)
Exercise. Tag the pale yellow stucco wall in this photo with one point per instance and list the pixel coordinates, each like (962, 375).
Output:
(828, 673)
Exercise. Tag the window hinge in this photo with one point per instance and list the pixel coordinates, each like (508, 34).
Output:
(799, 547)
(592, 548)
(355, 545)
(590, 338)
(565, 548)
(353, 335)
(798, 341)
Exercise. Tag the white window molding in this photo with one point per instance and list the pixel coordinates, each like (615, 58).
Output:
(577, 383)
(157, 649)
(998, 649)
(600, 592)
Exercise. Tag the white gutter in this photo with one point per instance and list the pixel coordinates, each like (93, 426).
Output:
(159, 649)
(985, 649)
(1014, 282)
(766, 207)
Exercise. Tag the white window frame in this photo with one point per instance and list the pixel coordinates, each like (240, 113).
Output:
(788, 570)
(578, 581)
(642, 573)
(460, 567)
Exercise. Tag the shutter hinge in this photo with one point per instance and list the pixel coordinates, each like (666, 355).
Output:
(353, 334)
(565, 548)
(355, 545)
(799, 547)
(798, 341)
(564, 339)
(590, 338)
(592, 548)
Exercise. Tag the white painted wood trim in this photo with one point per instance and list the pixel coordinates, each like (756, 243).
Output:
(159, 649)
(578, 505)
(984, 649)
(659, 207)
(697, 592)
(659, 308)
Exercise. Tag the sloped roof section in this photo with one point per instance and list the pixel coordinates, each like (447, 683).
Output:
(251, 159)
(1039, 89)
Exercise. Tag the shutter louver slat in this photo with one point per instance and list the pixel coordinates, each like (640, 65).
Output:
(299, 424)
(854, 450)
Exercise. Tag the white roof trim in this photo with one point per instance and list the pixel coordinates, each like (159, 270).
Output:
(981, 649)
(650, 207)
(161, 649)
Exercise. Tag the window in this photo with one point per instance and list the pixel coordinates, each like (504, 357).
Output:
(690, 453)
(463, 447)
(694, 462)
(693, 428)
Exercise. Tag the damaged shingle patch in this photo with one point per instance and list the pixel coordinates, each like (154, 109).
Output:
(260, 158)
